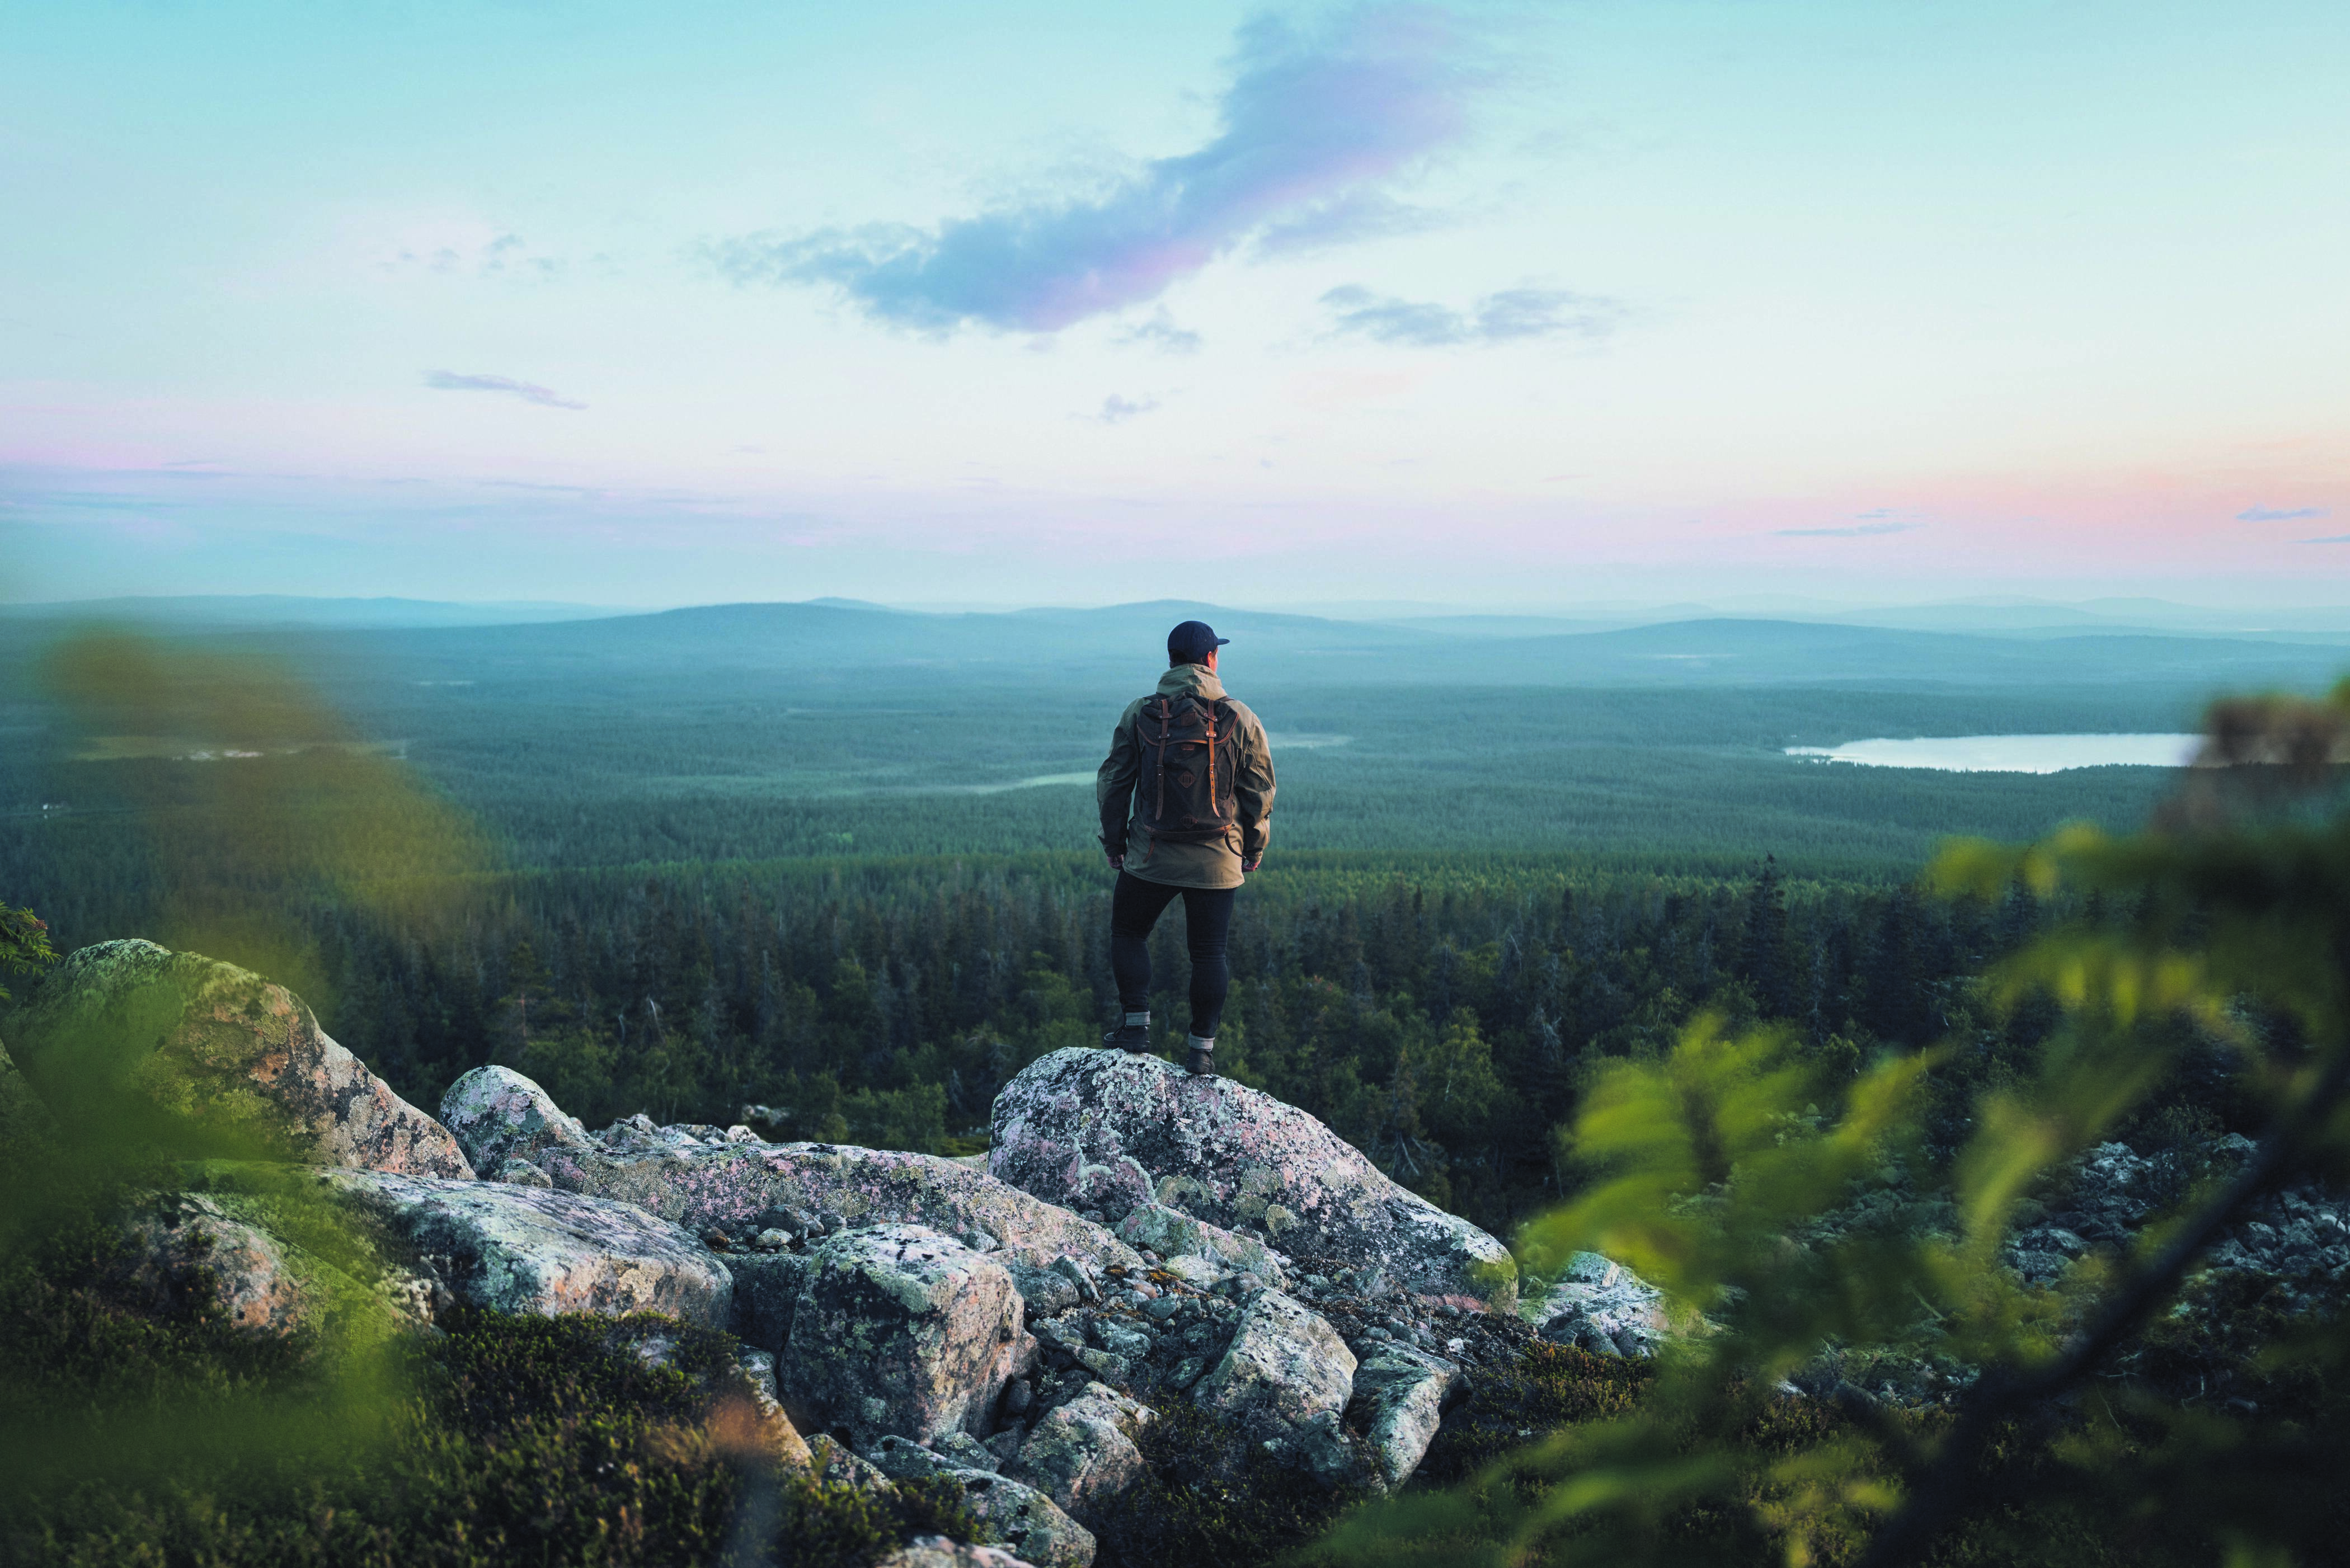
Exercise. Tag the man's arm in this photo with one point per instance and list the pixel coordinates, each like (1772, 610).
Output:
(1252, 792)
(1113, 787)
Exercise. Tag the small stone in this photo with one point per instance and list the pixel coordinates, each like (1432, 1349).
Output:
(521, 1173)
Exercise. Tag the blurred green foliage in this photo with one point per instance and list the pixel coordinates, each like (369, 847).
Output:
(25, 945)
(2069, 1431)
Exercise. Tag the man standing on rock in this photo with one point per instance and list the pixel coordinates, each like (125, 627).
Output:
(1186, 799)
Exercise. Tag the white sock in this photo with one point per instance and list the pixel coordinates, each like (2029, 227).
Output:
(1199, 1044)
(1139, 1020)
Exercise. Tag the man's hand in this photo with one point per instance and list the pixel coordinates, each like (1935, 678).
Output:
(1252, 862)
(1117, 862)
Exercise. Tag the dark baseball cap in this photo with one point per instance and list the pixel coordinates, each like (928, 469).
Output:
(1193, 641)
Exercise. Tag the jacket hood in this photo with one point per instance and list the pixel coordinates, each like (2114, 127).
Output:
(1192, 680)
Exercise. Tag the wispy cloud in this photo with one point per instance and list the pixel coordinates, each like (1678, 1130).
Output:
(529, 392)
(2277, 515)
(1309, 123)
(464, 247)
(1853, 531)
(1358, 215)
(1512, 316)
(1160, 332)
(1116, 410)
(2327, 539)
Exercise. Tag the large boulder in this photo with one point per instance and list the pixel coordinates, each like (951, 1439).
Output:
(1082, 1454)
(702, 1179)
(498, 1115)
(1397, 1403)
(1285, 1379)
(1104, 1128)
(901, 1330)
(197, 1038)
(532, 1250)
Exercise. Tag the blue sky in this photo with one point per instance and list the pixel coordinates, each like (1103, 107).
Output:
(1502, 304)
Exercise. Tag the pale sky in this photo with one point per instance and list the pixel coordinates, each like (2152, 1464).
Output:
(1028, 302)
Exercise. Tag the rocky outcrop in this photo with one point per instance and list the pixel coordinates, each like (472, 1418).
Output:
(1106, 1129)
(725, 1179)
(498, 1115)
(1285, 1379)
(1602, 1307)
(1082, 1454)
(899, 1330)
(529, 1249)
(1397, 1402)
(245, 1059)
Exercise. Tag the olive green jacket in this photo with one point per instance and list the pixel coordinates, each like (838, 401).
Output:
(1217, 863)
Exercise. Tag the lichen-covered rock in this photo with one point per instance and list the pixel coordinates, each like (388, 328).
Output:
(1171, 1233)
(1285, 1374)
(899, 1329)
(228, 1049)
(1082, 1128)
(498, 1115)
(191, 1248)
(1398, 1402)
(1602, 1307)
(1082, 1454)
(840, 1465)
(530, 1250)
(1026, 1520)
(938, 1552)
(701, 1178)
(776, 1431)
(902, 1458)
(1045, 1291)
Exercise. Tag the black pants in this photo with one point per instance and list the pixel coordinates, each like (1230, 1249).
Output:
(1135, 907)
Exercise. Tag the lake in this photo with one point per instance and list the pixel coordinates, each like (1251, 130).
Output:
(2012, 753)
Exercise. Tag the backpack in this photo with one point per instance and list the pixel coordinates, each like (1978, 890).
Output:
(1184, 790)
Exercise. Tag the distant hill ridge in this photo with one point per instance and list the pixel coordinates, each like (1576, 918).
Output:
(1050, 646)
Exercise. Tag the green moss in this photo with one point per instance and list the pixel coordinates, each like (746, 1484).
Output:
(1550, 1387)
(1208, 1499)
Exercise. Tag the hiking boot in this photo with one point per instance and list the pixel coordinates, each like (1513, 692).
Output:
(1133, 1038)
(1201, 1060)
